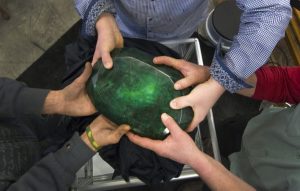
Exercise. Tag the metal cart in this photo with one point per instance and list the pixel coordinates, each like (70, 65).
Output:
(92, 177)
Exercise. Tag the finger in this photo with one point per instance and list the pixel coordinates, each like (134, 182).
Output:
(154, 145)
(169, 61)
(195, 122)
(107, 60)
(185, 83)
(171, 124)
(96, 57)
(121, 130)
(180, 102)
(83, 78)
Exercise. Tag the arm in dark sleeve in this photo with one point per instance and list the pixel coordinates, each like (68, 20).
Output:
(57, 170)
(278, 84)
(17, 99)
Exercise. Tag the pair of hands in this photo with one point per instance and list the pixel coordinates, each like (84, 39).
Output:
(73, 100)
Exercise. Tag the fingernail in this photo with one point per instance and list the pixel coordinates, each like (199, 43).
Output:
(154, 60)
(164, 116)
(108, 65)
(128, 128)
(177, 86)
(173, 104)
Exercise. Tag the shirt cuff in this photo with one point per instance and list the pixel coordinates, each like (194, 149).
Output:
(220, 72)
(92, 14)
(31, 100)
(74, 154)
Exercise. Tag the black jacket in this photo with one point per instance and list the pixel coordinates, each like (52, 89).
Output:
(55, 171)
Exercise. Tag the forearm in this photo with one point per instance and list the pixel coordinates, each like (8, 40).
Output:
(215, 175)
(17, 99)
(57, 170)
(262, 25)
(276, 84)
(82, 6)
(53, 103)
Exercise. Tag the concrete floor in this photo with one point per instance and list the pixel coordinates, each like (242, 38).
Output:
(33, 27)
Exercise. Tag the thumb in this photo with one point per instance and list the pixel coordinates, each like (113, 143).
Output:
(180, 102)
(119, 132)
(86, 73)
(171, 124)
(192, 125)
(184, 83)
(107, 60)
(169, 61)
(96, 57)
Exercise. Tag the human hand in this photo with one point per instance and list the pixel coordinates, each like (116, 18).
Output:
(109, 38)
(180, 147)
(105, 132)
(73, 100)
(201, 99)
(193, 73)
(177, 146)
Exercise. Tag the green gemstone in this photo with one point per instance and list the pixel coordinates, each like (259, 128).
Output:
(136, 92)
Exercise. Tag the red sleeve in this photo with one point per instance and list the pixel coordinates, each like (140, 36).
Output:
(278, 84)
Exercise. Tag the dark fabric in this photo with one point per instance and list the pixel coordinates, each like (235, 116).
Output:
(278, 84)
(27, 139)
(18, 152)
(129, 159)
(78, 53)
(125, 157)
(295, 4)
(56, 171)
(26, 136)
(230, 133)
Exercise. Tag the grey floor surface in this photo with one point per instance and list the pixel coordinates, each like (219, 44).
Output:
(33, 27)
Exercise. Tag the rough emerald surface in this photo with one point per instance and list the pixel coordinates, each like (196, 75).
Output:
(137, 92)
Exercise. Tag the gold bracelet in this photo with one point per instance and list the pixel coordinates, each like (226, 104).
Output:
(91, 138)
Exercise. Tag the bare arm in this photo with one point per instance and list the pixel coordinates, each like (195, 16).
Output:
(215, 175)
(180, 147)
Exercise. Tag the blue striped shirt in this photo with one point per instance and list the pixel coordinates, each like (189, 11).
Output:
(262, 25)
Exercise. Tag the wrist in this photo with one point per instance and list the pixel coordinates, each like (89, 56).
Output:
(216, 85)
(195, 159)
(86, 140)
(90, 139)
(54, 103)
(103, 17)
(201, 163)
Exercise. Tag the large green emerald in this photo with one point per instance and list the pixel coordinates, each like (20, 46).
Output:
(137, 92)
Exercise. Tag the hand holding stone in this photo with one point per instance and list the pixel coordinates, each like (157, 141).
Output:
(73, 99)
(177, 146)
(201, 99)
(193, 73)
(105, 132)
(109, 38)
